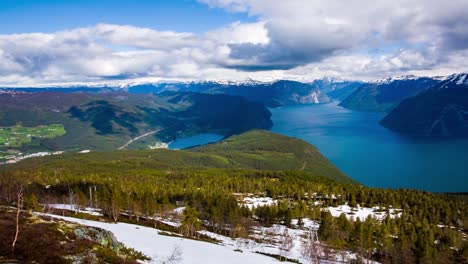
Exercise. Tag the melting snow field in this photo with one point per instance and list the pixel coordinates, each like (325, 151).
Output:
(252, 202)
(241, 250)
(159, 247)
(72, 207)
(362, 212)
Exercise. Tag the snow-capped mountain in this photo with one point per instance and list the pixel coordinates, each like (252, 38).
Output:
(395, 78)
(455, 80)
(441, 110)
(385, 94)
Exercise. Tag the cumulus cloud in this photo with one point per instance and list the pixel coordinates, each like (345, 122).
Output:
(298, 39)
(303, 31)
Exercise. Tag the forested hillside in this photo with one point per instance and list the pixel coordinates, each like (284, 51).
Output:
(441, 111)
(215, 181)
(107, 121)
(384, 95)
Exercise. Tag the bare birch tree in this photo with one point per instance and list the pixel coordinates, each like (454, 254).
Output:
(19, 205)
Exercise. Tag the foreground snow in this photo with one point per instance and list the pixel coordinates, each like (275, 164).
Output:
(268, 240)
(159, 247)
(75, 208)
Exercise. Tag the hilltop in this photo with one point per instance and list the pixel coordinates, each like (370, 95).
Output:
(255, 150)
(267, 150)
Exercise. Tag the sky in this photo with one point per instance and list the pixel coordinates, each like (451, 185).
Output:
(51, 42)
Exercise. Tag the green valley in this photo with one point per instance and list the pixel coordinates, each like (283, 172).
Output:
(17, 136)
(108, 121)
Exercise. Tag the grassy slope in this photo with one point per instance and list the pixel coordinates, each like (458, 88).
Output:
(43, 240)
(258, 150)
(262, 149)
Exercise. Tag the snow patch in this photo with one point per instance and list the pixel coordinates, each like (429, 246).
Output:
(32, 155)
(395, 78)
(159, 145)
(253, 202)
(462, 80)
(362, 212)
(75, 208)
(179, 210)
(151, 243)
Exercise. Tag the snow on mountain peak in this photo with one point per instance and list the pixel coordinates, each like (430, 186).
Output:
(459, 79)
(234, 82)
(330, 79)
(395, 78)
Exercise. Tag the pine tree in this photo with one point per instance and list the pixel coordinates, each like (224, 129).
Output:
(190, 221)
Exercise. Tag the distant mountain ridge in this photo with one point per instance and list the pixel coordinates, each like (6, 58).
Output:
(440, 111)
(272, 94)
(383, 95)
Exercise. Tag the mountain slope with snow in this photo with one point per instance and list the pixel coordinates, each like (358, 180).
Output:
(383, 95)
(272, 94)
(441, 111)
(160, 247)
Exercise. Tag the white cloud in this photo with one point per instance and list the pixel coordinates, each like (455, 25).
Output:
(238, 33)
(106, 52)
(304, 31)
(298, 39)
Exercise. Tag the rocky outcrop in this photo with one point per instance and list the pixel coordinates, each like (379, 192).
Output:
(103, 237)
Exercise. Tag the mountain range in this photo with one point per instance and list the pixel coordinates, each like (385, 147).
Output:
(271, 94)
(239, 190)
(439, 111)
(383, 95)
(406, 99)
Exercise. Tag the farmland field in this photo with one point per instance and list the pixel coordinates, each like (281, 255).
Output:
(15, 136)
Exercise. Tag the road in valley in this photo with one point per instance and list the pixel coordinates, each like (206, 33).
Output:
(139, 137)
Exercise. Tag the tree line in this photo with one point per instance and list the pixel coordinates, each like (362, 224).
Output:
(430, 228)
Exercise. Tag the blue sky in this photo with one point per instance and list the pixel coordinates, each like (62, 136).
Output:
(26, 16)
(52, 42)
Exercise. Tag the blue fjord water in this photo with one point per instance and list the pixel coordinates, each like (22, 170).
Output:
(373, 155)
(200, 139)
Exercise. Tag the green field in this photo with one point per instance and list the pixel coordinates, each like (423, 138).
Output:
(15, 136)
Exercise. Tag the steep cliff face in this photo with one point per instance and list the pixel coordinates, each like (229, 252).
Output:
(441, 111)
(271, 94)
